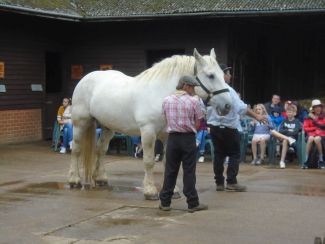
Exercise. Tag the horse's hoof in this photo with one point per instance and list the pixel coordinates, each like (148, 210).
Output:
(87, 186)
(101, 183)
(176, 195)
(75, 185)
(151, 197)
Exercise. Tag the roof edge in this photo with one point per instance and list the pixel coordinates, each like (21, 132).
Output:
(209, 14)
(41, 13)
(214, 14)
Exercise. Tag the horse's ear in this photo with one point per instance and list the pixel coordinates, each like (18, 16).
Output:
(198, 57)
(213, 54)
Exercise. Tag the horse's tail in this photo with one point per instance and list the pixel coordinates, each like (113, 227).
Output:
(88, 150)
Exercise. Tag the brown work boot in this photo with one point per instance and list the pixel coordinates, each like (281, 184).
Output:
(199, 207)
(236, 187)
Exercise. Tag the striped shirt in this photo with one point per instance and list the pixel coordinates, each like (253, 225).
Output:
(181, 112)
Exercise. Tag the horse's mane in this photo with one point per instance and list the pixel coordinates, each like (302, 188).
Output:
(175, 65)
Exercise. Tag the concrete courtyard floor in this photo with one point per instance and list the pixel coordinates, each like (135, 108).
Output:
(37, 206)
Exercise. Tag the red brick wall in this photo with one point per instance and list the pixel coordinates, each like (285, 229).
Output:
(20, 125)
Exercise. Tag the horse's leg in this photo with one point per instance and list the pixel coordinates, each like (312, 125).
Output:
(74, 176)
(148, 138)
(99, 175)
(176, 194)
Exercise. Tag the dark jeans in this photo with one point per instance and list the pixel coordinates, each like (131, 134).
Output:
(159, 147)
(226, 142)
(181, 147)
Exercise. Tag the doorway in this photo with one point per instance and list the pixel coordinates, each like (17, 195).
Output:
(53, 97)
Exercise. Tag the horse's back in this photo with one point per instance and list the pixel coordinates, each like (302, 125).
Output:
(105, 96)
(95, 78)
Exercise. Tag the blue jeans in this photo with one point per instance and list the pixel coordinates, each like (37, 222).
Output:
(98, 132)
(200, 140)
(67, 134)
(136, 140)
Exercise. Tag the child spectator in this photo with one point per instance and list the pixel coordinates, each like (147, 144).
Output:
(202, 132)
(314, 126)
(289, 127)
(276, 117)
(261, 134)
(65, 122)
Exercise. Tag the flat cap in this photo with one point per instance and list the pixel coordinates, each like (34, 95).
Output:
(188, 80)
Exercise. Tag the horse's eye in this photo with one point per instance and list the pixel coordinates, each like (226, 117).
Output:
(211, 76)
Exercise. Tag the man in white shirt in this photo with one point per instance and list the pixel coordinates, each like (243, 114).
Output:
(226, 138)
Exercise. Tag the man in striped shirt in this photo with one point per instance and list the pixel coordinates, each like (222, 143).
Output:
(183, 113)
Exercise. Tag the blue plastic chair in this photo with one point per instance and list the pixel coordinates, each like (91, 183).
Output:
(209, 143)
(56, 137)
(245, 137)
(128, 141)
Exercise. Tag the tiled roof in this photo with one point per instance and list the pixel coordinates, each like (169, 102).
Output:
(89, 9)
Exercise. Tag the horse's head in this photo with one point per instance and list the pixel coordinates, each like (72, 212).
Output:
(213, 87)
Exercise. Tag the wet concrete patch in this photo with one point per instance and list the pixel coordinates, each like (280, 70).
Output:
(54, 187)
(127, 221)
(304, 190)
(44, 188)
(25, 193)
(10, 199)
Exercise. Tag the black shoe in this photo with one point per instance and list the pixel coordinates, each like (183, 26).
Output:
(304, 165)
(199, 207)
(164, 208)
(235, 187)
(321, 165)
(220, 187)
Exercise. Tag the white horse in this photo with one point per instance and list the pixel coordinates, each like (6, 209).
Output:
(133, 106)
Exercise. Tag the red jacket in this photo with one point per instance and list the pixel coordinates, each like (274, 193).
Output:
(320, 125)
(309, 127)
(315, 127)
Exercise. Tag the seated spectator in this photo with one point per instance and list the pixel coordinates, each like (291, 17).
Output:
(159, 150)
(276, 117)
(314, 126)
(302, 113)
(262, 133)
(290, 127)
(275, 103)
(200, 139)
(136, 140)
(202, 132)
(65, 122)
